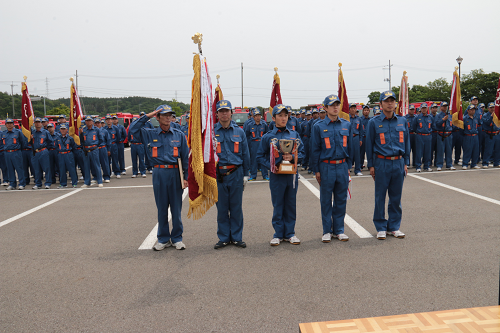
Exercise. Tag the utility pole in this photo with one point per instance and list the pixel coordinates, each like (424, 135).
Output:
(12, 90)
(44, 109)
(389, 79)
(176, 95)
(46, 87)
(242, 87)
(76, 75)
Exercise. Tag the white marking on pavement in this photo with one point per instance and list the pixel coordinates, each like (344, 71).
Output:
(150, 240)
(351, 223)
(17, 217)
(482, 197)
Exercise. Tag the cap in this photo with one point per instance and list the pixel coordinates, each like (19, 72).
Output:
(114, 117)
(107, 117)
(387, 94)
(38, 119)
(481, 105)
(45, 119)
(289, 108)
(90, 118)
(308, 113)
(97, 120)
(491, 104)
(278, 108)
(444, 104)
(256, 112)
(143, 113)
(366, 107)
(224, 104)
(412, 107)
(434, 105)
(330, 99)
(164, 109)
(322, 110)
(471, 106)
(303, 111)
(353, 104)
(61, 127)
(52, 125)
(473, 97)
(423, 105)
(9, 120)
(62, 116)
(314, 110)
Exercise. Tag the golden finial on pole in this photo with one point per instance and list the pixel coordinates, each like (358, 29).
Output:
(456, 68)
(25, 77)
(71, 79)
(404, 73)
(197, 39)
(340, 64)
(218, 77)
(276, 70)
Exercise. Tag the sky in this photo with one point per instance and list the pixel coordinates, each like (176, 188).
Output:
(144, 48)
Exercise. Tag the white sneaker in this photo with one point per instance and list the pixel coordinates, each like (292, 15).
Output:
(453, 168)
(419, 170)
(459, 163)
(293, 240)
(151, 171)
(464, 167)
(81, 178)
(118, 176)
(106, 180)
(397, 234)
(9, 188)
(20, 188)
(144, 176)
(342, 237)
(438, 169)
(275, 241)
(35, 188)
(47, 187)
(124, 172)
(134, 176)
(93, 182)
(429, 169)
(5, 184)
(84, 186)
(180, 246)
(485, 167)
(477, 167)
(100, 185)
(162, 246)
(381, 235)
(327, 238)
(359, 174)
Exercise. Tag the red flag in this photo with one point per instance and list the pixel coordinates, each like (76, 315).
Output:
(344, 103)
(496, 113)
(275, 93)
(202, 177)
(218, 97)
(27, 116)
(456, 101)
(404, 101)
(75, 117)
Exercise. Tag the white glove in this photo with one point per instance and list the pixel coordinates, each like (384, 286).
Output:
(245, 181)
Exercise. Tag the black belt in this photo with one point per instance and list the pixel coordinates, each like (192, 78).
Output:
(231, 168)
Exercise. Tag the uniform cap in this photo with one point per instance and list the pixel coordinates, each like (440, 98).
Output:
(289, 108)
(115, 117)
(256, 112)
(434, 105)
(164, 109)
(423, 105)
(143, 113)
(412, 107)
(303, 111)
(352, 104)
(308, 113)
(62, 116)
(471, 106)
(444, 103)
(481, 105)
(322, 110)
(45, 119)
(387, 94)
(314, 110)
(224, 104)
(90, 118)
(52, 125)
(473, 97)
(38, 119)
(278, 108)
(491, 104)
(9, 120)
(330, 99)
(107, 117)
(62, 126)
(366, 107)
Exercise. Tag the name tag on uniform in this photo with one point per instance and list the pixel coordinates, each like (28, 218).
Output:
(325, 130)
(154, 140)
(380, 125)
(217, 134)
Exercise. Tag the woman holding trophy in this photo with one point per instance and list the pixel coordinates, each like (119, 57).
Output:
(280, 149)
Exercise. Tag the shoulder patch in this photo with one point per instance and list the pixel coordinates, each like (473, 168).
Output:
(217, 134)
(325, 130)
(380, 125)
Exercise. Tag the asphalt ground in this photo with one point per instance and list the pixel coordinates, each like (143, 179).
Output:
(75, 265)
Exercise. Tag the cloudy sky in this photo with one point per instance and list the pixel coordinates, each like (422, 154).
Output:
(144, 48)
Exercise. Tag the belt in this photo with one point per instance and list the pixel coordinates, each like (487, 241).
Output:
(39, 150)
(354, 135)
(88, 147)
(305, 136)
(434, 131)
(121, 141)
(412, 132)
(455, 130)
(226, 167)
(13, 150)
(113, 143)
(65, 152)
(392, 158)
(102, 147)
(52, 149)
(26, 149)
(445, 134)
(78, 148)
(256, 140)
(423, 134)
(167, 166)
(470, 134)
(334, 161)
(491, 132)
(136, 143)
(1, 151)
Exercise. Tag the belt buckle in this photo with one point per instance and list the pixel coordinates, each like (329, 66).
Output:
(393, 158)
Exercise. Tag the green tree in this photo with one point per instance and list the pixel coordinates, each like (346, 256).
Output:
(61, 109)
(479, 84)
(373, 97)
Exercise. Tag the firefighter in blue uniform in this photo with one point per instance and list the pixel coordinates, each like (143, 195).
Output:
(491, 142)
(120, 144)
(293, 123)
(137, 153)
(61, 120)
(471, 139)
(249, 120)
(434, 135)
(388, 152)
(53, 155)
(444, 127)
(113, 132)
(315, 118)
(149, 167)
(104, 152)
(3, 166)
(185, 127)
(254, 133)
(65, 146)
(357, 135)
(41, 160)
(457, 135)
(165, 145)
(422, 126)
(13, 142)
(331, 160)
(364, 122)
(232, 170)
(90, 139)
(27, 154)
(283, 186)
(410, 117)
(479, 116)
(306, 133)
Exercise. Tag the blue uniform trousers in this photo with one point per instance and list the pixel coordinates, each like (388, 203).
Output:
(389, 178)
(229, 207)
(54, 164)
(284, 199)
(254, 164)
(362, 152)
(104, 162)
(113, 159)
(496, 151)
(413, 148)
(67, 163)
(480, 140)
(3, 168)
(471, 150)
(457, 145)
(444, 149)
(148, 164)
(424, 152)
(168, 193)
(137, 152)
(27, 156)
(434, 147)
(79, 156)
(355, 154)
(14, 163)
(334, 180)
(41, 164)
(91, 161)
(121, 156)
(490, 146)
(305, 160)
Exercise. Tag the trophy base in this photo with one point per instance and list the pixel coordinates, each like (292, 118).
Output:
(286, 169)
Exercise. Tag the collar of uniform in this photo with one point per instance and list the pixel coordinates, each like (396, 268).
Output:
(393, 116)
(331, 121)
(276, 130)
(159, 130)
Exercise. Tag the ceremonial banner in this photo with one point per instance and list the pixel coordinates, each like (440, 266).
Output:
(75, 117)
(456, 102)
(275, 93)
(202, 177)
(344, 103)
(496, 113)
(27, 115)
(404, 101)
(218, 97)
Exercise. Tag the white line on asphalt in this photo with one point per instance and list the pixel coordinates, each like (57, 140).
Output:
(456, 189)
(12, 219)
(150, 240)
(351, 223)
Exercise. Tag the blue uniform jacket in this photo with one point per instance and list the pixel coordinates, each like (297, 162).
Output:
(331, 141)
(54, 137)
(42, 139)
(232, 146)
(263, 154)
(107, 138)
(91, 138)
(122, 133)
(488, 123)
(14, 140)
(114, 133)
(162, 147)
(422, 124)
(364, 122)
(255, 132)
(294, 125)
(387, 137)
(441, 125)
(470, 125)
(306, 132)
(136, 138)
(65, 144)
(247, 123)
(356, 125)
(409, 120)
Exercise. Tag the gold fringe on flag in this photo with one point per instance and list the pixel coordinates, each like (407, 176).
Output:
(199, 206)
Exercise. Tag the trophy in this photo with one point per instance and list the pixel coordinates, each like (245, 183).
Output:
(287, 146)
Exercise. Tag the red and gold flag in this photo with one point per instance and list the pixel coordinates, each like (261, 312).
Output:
(218, 97)
(275, 93)
(75, 117)
(404, 101)
(27, 115)
(344, 103)
(456, 101)
(496, 113)
(202, 179)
